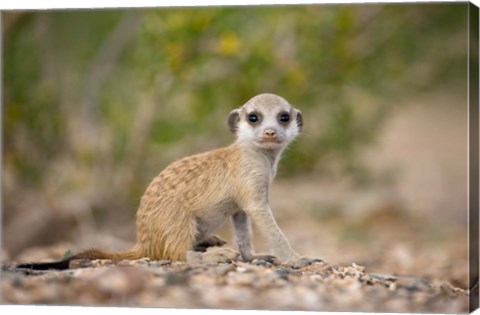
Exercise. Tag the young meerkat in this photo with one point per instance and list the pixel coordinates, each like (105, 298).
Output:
(193, 196)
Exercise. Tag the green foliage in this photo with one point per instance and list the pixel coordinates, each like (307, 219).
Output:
(345, 66)
(317, 57)
(67, 254)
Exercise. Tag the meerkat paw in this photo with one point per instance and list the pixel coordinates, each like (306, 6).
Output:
(263, 259)
(211, 241)
(219, 255)
(305, 261)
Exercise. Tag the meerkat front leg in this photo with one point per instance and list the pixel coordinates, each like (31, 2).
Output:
(263, 218)
(242, 228)
(242, 231)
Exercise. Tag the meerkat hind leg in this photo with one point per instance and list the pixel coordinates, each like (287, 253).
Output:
(219, 255)
(211, 241)
(212, 256)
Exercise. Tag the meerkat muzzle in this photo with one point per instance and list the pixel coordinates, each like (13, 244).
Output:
(270, 133)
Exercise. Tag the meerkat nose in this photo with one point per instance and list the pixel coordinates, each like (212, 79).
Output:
(270, 133)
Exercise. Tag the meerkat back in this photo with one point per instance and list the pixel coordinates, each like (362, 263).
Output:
(185, 193)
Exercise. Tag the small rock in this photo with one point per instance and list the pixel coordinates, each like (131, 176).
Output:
(375, 278)
(242, 269)
(158, 263)
(177, 278)
(367, 279)
(136, 262)
(449, 290)
(261, 262)
(223, 269)
(382, 277)
(413, 284)
(283, 273)
(317, 267)
(358, 267)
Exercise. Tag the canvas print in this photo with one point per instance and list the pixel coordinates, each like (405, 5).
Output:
(277, 157)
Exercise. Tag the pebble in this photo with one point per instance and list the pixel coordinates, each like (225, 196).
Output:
(160, 263)
(412, 284)
(283, 273)
(223, 269)
(177, 278)
(232, 285)
(261, 262)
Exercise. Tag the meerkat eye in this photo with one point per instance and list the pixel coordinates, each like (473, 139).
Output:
(284, 117)
(253, 118)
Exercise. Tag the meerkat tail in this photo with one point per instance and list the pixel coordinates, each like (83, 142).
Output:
(90, 254)
(58, 265)
(94, 253)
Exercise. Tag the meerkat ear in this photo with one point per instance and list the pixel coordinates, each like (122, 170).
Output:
(299, 120)
(233, 119)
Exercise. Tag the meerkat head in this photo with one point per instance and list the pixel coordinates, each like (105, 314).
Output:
(267, 120)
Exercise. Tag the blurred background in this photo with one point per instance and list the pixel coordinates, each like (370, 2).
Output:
(97, 102)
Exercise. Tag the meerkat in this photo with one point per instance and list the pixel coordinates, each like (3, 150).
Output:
(191, 197)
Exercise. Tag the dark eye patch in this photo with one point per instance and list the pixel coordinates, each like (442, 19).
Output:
(254, 118)
(284, 118)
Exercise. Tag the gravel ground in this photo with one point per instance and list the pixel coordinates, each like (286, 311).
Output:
(235, 285)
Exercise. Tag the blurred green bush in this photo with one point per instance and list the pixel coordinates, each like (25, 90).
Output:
(103, 99)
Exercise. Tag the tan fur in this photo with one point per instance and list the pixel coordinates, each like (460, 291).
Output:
(194, 195)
